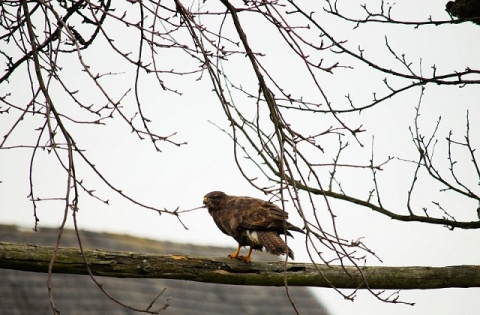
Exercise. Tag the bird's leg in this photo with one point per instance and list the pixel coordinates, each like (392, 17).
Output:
(235, 253)
(247, 258)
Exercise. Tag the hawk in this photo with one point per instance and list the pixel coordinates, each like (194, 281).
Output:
(251, 222)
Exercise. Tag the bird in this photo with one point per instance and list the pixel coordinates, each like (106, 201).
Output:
(465, 9)
(251, 222)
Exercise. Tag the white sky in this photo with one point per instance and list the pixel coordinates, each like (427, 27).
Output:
(180, 176)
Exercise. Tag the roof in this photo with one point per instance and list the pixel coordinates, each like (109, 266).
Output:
(26, 292)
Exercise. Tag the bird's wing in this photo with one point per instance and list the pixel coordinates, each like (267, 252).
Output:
(255, 214)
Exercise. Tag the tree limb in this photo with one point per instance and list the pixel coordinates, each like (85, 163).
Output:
(225, 271)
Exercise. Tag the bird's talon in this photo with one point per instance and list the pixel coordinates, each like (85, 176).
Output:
(240, 257)
(244, 258)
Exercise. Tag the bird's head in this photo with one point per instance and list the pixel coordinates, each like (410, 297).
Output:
(213, 200)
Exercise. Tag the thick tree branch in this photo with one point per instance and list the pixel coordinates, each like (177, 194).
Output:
(226, 271)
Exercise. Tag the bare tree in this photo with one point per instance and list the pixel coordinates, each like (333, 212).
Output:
(300, 137)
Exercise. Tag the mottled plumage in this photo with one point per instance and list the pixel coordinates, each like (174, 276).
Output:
(251, 222)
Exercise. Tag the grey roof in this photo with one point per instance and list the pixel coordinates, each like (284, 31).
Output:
(26, 292)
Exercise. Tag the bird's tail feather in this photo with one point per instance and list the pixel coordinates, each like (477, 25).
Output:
(274, 244)
(292, 227)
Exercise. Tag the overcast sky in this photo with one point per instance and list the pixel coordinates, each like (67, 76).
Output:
(181, 176)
